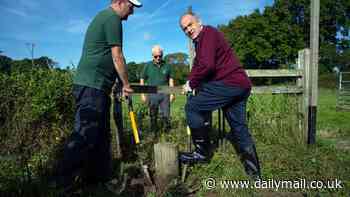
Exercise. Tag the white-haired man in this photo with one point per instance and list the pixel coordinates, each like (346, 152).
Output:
(220, 82)
(158, 73)
(101, 62)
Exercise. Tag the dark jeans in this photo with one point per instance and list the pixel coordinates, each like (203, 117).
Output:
(88, 147)
(161, 103)
(214, 95)
(118, 117)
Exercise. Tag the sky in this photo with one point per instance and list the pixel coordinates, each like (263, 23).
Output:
(57, 28)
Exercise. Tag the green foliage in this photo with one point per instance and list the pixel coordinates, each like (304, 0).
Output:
(45, 62)
(5, 63)
(272, 38)
(134, 71)
(180, 65)
(344, 60)
(180, 59)
(36, 113)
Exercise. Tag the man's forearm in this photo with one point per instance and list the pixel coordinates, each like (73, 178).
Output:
(120, 66)
(142, 82)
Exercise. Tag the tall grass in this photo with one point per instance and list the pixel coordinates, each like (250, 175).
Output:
(272, 119)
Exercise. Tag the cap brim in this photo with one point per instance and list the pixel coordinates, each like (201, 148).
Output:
(136, 3)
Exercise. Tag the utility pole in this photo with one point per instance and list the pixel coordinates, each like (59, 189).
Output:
(31, 50)
(314, 45)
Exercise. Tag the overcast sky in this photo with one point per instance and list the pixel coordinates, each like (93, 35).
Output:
(58, 27)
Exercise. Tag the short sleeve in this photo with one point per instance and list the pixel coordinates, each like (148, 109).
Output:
(114, 31)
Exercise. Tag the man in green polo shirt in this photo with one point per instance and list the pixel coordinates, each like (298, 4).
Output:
(158, 73)
(88, 148)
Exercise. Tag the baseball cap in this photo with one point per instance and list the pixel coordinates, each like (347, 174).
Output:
(136, 3)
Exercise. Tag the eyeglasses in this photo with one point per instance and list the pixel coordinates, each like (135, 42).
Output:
(157, 56)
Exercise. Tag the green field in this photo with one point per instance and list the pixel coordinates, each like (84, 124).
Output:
(281, 147)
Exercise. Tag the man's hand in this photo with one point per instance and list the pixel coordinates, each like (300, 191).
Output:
(187, 88)
(172, 97)
(143, 98)
(127, 90)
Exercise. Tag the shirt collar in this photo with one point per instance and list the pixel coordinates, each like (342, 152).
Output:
(160, 64)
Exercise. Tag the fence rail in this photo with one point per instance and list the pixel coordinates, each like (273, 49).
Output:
(276, 73)
(280, 73)
(277, 90)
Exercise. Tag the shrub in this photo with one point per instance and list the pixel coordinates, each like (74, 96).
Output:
(36, 112)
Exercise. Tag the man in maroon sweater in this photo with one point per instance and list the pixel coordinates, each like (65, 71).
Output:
(220, 82)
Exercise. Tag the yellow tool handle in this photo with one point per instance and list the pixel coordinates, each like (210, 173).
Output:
(188, 130)
(134, 127)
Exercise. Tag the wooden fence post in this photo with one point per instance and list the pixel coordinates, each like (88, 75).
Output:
(314, 45)
(166, 163)
(304, 60)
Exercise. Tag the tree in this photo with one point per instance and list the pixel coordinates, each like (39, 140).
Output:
(45, 62)
(263, 40)
(344, 60)
(134, 71)
(26, 64)
(180, 64)
(23, 65)
(328, 57)
(5, 63)
(273, 38)
(178, 58)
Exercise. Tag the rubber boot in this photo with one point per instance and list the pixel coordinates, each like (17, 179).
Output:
(250, 161)
(249, 158)
(202, 153)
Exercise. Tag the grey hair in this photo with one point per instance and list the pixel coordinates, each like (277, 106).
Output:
(156, 47)
(190, 14)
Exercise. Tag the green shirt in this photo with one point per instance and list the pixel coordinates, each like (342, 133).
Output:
(96, 68)
(154, 75)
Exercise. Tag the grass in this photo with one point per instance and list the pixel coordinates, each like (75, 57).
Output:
(283, 156)
(329, 118)
(273, 122)
(281, 148)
